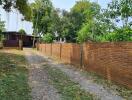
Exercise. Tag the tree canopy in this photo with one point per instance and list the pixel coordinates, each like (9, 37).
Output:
(86, 21)
(22, 32)
(41, 16)
(21, 5)
(2, 28)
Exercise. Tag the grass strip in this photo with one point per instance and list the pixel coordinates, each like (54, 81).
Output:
(13, 77)
(68, 89)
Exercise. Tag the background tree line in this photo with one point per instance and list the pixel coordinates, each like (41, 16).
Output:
(86, 21)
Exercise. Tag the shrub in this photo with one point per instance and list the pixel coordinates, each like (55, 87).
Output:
(48, 38)
(123, 34)
(22, 31)
(84, 34)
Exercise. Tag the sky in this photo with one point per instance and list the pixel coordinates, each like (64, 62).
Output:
(13, 19)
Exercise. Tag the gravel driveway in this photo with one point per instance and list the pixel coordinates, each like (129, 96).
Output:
(38, 79)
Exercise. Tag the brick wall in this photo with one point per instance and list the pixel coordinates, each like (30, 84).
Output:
(66, 52)
(111, 60)
(48, 49)
(76, 55)
(56, 50)
(42, 48)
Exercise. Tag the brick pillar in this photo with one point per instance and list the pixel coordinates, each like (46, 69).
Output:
(51, 49)
(45, 48)
(81, 55)
(60, 50)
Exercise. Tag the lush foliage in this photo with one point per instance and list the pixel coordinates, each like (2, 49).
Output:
(41, 16)
(86, 21)
(2, 28)
(123, 34)
(48, 38)
(22, 31)
(21, 5)
(13, 77)
(104, 26)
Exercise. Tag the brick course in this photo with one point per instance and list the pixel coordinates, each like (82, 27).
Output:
(111, 60)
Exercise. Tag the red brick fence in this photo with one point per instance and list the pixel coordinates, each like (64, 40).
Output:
(111, 60)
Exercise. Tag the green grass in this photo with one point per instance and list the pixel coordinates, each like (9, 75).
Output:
(122, 91)
(68, 89)
(13, 77)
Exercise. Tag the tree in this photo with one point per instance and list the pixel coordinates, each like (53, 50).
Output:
(79, 15)
(120, 34)
(56, 22)
(90, 27)
(48, 38)
(116, 11)
(21, 5)
(71, 22)
(67, 27)
(22, 32)
(2, 28)
(41, 16)
(121, 9)
(2, 25)
(47, 19)
(84, 22)
(85, 33)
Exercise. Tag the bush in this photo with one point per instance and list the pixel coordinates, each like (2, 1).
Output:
(123, 34)
(84, 34)
(48, 38)
(22, 31)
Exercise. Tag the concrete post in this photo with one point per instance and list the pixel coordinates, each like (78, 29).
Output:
(60, 50)
(51, 49)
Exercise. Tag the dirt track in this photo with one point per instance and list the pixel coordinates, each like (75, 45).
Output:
(42, 90)
(38, 79)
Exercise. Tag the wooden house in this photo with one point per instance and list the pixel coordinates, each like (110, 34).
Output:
(12, 39)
